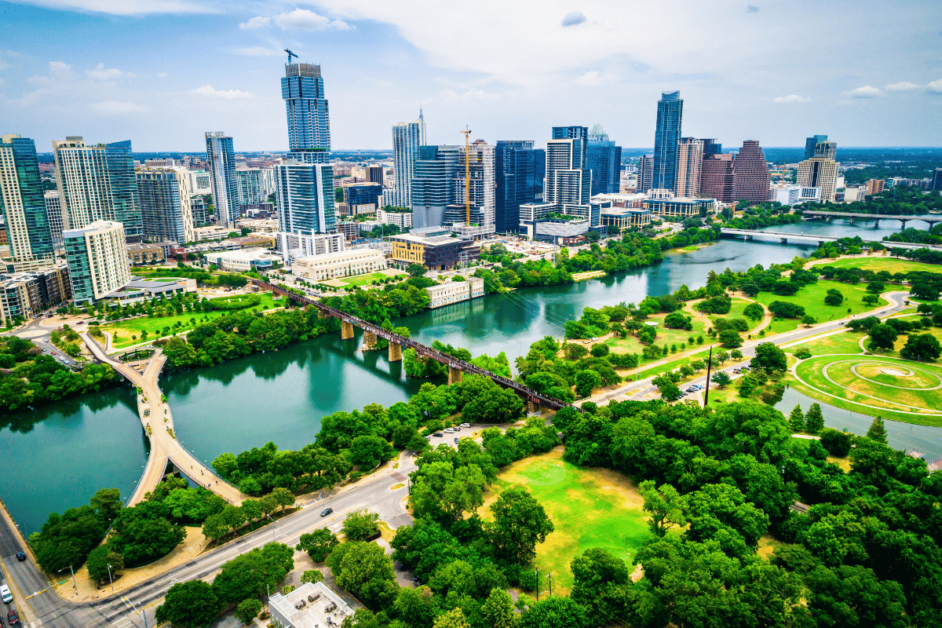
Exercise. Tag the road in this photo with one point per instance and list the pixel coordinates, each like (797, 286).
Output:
(49, 610)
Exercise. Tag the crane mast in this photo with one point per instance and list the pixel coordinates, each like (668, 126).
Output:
(467, 176)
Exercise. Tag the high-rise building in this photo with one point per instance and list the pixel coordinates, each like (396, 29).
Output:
(200, 182)
(875, 186)
(433, 184)
(98, 260)
(199, 209)
(689, 163)
(670, 112)
(936, 180)
(482, 189)
(711, 147)
(97, 183)
(751, 174)
(604, 160)
(165, 204)
(827, 150)
(250, 186)
(407, 138)
(374, 174)
(645, 173)
(568, 181)
(518, 172)
(306, 198)
(811, 144)
(302, 89)
(363, 198)
(716, 177)
(221, 158)
(54, 216)
(819, 172)
(23, 204)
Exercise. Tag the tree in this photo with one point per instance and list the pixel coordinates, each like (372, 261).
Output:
(870, 299)
(808, 320)
(922, 347)
(100, 559)
(367, 452)
(586, 382)
(520, 522)
(770, 358)
(253, 573)
(416, 270)
(312, 575)
(730, 339)
(248, 610)
(318, 544)
(721, 379)
(814, 419)
(718, 507)
(555, 612)
(754, 311)
(665, 505)
(836, 443)
(783, 309)
(668, 389)
(833, 297)
(574, 351)
(883, 337)
(363, 569)
(855, 596)
(877, 431)
(452, 619)
(796, 420)
(361, 525)
(498, 610)
(283, 497)
(192, 604)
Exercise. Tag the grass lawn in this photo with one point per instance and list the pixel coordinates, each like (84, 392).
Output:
(665, 336)
(588, 507)
(811, 298)
(737, 311)
(890, 264)
(123, 331)
(363, 280)
(847, 342)
(903, 339)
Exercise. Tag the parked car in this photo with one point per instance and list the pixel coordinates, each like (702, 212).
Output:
(465, 425)
(21, 556)
(13, 619)
(326, 512)
(5, 594)
(457, 428)
(438, 434)
(456, 441)
(737, 371)
(691, 390)
(448, 430)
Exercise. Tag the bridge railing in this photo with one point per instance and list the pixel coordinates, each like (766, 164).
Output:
(421, 349)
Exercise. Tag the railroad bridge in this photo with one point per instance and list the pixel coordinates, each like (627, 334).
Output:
(397, 342)
(853, 216)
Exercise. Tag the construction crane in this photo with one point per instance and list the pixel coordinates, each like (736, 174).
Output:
(467, 176)
(290, 54)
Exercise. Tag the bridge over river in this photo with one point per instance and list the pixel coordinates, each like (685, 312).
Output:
(852, 216)
(785, 238)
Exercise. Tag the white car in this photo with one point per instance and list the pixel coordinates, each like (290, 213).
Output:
(448, 430)
(5, 594)
(465, 425)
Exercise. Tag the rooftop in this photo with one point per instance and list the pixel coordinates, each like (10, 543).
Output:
(312, 605)
(243, 254)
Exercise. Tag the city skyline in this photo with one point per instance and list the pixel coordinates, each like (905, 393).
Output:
(879, 84)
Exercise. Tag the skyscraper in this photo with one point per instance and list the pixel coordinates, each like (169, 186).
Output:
(306, 198)
(482, 189)
(716, 177)
(811, 143)
(751, 174)
(711, 147)
(23, 204)
(433, 184)
(165, 204)
(645, 173)
(98, 260)
(222, 177)
(302, 89)
(97, 183)
(407, 138)
(689, 163)
(568, 181)
(54, 216)
(250, 186)
(827, 149)
(604, 160)
(374, 174)
(819, 172)
(670, 111)
(518, 172)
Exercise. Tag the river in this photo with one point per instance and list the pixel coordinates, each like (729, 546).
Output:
(73, 448)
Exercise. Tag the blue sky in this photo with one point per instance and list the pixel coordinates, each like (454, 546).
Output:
(162, 72)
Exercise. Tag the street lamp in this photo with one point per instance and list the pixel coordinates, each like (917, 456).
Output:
(110, 579)
(272, 528)
(74, 585)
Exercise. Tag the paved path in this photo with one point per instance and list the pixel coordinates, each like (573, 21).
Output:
(158, 423)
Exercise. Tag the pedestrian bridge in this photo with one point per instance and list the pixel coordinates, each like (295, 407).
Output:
(809, 238)
(852, 216)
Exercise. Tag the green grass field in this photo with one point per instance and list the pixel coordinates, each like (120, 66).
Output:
(588, 507)
(737, 311)
(811, 298)
(127, 330)
(876, 264)
(846, 342)
(364, 280)
(665, 336)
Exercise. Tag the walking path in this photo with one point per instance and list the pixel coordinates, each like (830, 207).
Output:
(158, 423)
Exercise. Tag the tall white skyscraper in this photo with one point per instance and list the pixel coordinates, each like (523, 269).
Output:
(689, 163)
(165, 203)
(221, 158)
(407, 137)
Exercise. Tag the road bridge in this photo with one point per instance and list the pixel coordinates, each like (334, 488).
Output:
(397, 343)
(852, 216)
(786, 237)
(167, 455)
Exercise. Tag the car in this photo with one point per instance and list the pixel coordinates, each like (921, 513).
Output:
(737, 371)
(457, 428)
(691, 390)
(465, 425)
(5, 594)
(456, 441)
(13, 619)
(448, 430)
(326, 512)
(428, 438)
(438, 434)
(21, 556)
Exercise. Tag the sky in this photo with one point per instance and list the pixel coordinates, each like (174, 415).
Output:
(163, 72)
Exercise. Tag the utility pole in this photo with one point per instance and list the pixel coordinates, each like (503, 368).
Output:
(538, 585)
(706, 394)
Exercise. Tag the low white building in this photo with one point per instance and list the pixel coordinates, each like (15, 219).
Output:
(455, 292)
(403, 220)
(339, 264)
(294, 246)
(243, 259)
(202, 234)
(311, 605)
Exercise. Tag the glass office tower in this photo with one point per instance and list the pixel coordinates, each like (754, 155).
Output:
(670, 110)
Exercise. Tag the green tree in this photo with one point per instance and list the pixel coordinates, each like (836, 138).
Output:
(883, 337)
(669, 390)
(730, 339)
(814, 419)
(722, 379)
(754, 311)
(368, 452)
(855, 596)
(796, 420)
(586, 382)
(922, 347)
(318, 544)
(498, 610)
(770, 358)
(520, 522)
(312, 575)
(877, 431)
(833, 297)
(283, 497)
(248, 610)
(574, 351)
(717, 507)
(555, 612)
(363, 569)
(98, 563)
(452, 619)
(808, 320)
(192, 604)
(253, 573)
(665, 505)
(416, 270)
(361, 525)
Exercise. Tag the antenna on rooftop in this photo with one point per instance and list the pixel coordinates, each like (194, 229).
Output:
(290, 54)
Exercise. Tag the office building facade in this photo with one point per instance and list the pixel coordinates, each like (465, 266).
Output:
(97, 183)
(165, 204)
(716, 177)
(24, 295)
(604, 161)
(811, 144)
(23, 204)
(819, 172)
(751, 176)
(98, 261)
(302, 89)
(670, 112)
(407, 138)
(200, 182)
(936, 180)
(363, 198)
(250, 187)
(479, 188)
(373, 174)
(519, 170)
(433, 184)
(689, 165)
(54, 216)
(221, 158)
(645, 173)
(306, 198)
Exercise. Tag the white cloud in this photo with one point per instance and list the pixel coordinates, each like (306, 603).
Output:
(110, 107)
(793, 98)
(302, 19)
(256, 22)
(125, 7)
(209, 90)
(60, 68)
(864, 92)
(574, 18)
(902, 86)
(260, 51)
(100, 73)
(935, 87)
(162, 75)
(592, 77)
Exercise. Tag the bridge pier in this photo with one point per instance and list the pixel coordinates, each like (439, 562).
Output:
(454, 376)
(533, 407)
(346, 330)
(784, 240)
(395, 352)
(876, 223)
(903, 224)
(748, 237)
(369, 341)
